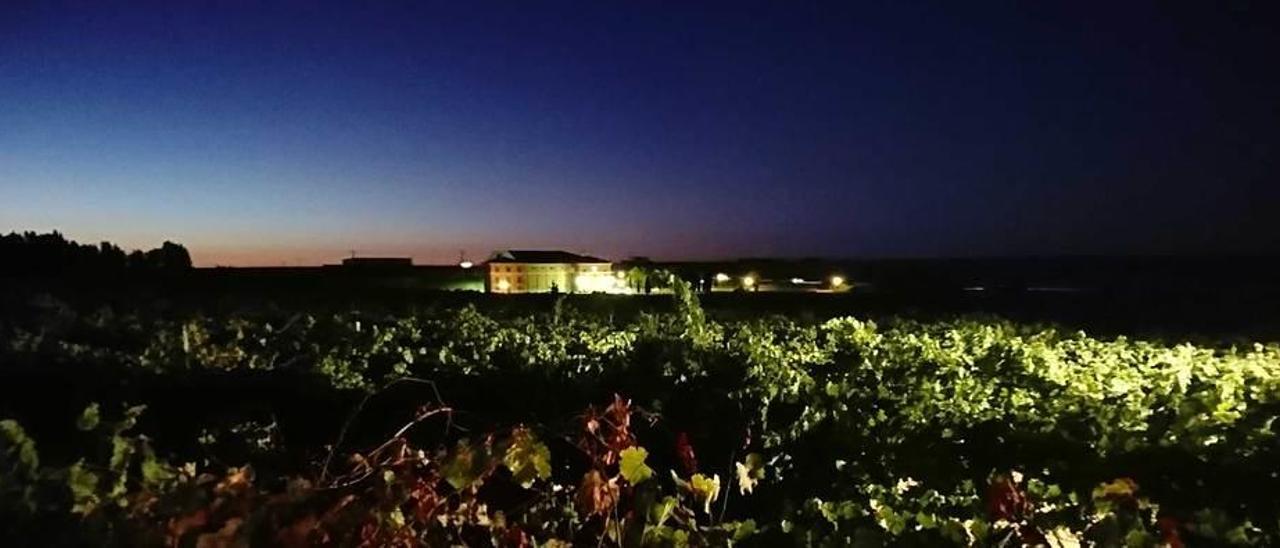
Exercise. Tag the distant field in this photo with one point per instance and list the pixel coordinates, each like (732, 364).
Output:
(1203, 300)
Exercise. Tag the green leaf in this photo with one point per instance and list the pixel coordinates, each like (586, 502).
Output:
(465, 466)
(659, 513)
(527, 458)
(632, 465)
(89, 419)
(155, 473)
(750, 472)
(13, 439)
(741, 529)
(131, 415)
(83, 485)
(396, 518)
(705, 490)
(666, 536)
(121, 450)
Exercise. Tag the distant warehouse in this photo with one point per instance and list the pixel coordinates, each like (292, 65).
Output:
(378, 263)
(517, 271)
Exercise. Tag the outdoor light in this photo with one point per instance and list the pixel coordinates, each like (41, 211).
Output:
(837, 281)
(722, 277)
(503, 285)
(587, 283)
(620, 275)
(465, 264)
(797, 281)
(748, 282)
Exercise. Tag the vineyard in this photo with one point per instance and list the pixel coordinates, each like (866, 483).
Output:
(562, 427)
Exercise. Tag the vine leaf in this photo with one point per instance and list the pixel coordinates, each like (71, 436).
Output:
(685, 451)
(464, 466)
(527, 458)
(705, 490)
(1120, 488)
(15, 444)
(83, 484)
(632, 467)
(596, 495)
(89, 418)
(750, 472)
(1062, 537)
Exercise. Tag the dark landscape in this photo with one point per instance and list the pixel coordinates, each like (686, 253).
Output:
(638, 275)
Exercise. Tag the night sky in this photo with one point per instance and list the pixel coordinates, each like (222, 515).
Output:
(292, 134)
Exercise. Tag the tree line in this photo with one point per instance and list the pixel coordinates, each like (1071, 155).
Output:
(30, 253)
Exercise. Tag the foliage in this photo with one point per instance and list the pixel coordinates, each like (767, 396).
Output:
(846, 432)
(29, 254)
(395, 494)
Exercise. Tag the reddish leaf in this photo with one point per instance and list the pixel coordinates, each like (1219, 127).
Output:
(179, 527)
(685, 451)
(515, 538)
(1005, 501)
(596, 495)
(237, 482)
(1169, 535)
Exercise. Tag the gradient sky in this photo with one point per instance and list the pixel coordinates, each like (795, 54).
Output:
(293, 133)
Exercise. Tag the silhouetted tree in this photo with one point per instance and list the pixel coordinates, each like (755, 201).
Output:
(168, 257)
(112, 257)
(32, 254)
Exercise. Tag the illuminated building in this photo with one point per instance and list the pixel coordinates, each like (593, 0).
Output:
(517, 271)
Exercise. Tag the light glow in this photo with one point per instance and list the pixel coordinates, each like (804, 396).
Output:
(748, 282)
(722, 277)
(503, 285)
(595, 283)
(837, 281)
(466, 264)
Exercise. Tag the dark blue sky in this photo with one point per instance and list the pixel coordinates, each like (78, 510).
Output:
(293, 133)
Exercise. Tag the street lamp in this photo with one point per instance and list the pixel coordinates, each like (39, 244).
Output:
(836, 282)
(748, 282)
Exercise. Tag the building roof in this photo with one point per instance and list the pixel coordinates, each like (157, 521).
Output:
(546, 257)
(378, 261)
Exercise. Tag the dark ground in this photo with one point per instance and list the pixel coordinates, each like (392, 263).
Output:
(1216, 298)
